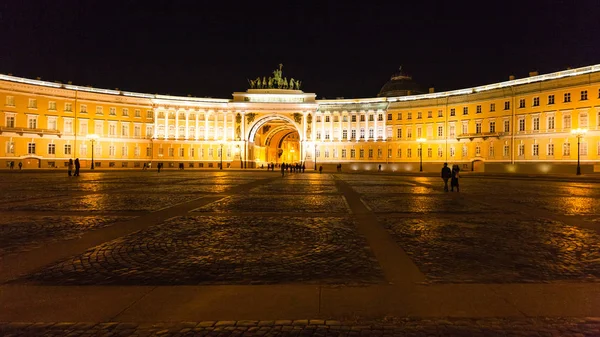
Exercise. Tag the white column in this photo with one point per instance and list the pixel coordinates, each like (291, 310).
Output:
(206, 124)
(187, 120)
(375, 117)
(176, 124)
(323, 126)
(197, 126)
(232, 114)
(155, 131)
(166, 124)
(349, 125)
(341, 131)
(331, 135)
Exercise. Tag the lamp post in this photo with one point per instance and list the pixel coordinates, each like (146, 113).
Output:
(578, 133)
(315, 156)
(221, 155)
(421, 141)
(92, 137)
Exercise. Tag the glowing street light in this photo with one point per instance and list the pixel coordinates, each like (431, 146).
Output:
(93, 138)
(578, 133)
(421, 141)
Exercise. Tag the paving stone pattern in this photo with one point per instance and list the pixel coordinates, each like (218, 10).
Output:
(281, 203)
(415, 327)
(225, 250)
(23, 233)
(497, 250)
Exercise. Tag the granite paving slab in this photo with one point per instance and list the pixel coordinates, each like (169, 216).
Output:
(447, 203)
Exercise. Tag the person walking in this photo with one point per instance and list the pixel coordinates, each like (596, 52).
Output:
(379, 167)
(77, 167)
(12, 165)
(446, 174)
(282, 170)
(20, 165)
(455, 176)
(320, 169)
(70, 167)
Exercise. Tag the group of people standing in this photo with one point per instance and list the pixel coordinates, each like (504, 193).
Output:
(452, 175)
(292, 168)
(74, 164)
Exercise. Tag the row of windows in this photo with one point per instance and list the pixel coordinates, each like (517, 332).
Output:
(112, 111)
(478, 108)
(362, 118)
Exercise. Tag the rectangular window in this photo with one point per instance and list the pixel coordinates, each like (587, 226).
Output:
(137, 113)
(124, 151)
(440, 113)
(51, 105)
(68, 107)
(491, 154)
(536, 150)
(440, 131)
(567, 122)
(507, 105)
(478, 150)
(399, 117)
(326, 153)
(506, 126)
(67, 149)
(361, 153)
(478, 127)
(452, 151)
(112, 111)
(137, 131)
(522, 124)
(389, 117)
(380, 117)
(506, 151)
(344, 134)
(419, 132)
(550, 99)
(465, 110)
(584, 95)
(492, 107)
(99, 110)
(536, 123)
(353, 134)
(371, 133)
(111, 150)
(452, 112)
(362, 118)
(112, 129)
(362, 133)
(465, 151)
(452, 131)
(567, 98)
(353, 118)
(10, 100)
(371, 118)
(32, 103)
(370, 153)
(148, 151)
(440, 152)
(10, 121)
(32, 122)
(429, 114)
(352, 153)
(343, 153)
(326, 134)
(399, 133)
(521, 150)
(478, 109)
(125, 112)
(522, 103)
(419, 115)
(171, 152)
(52, 123)
(583, 120)
(550, 122)
(566, 149)
(192, 152)
(181, 152)
(68, 126)
(409, 115)
(399, 153)
(429, 152)
(583, 148)
(125, 130)
(536, 101)
(550, 150)
(149, 114)
(327, 119)
(409, 153)
(51, 148)
(492, 126)
(31, 148)
(465, 128)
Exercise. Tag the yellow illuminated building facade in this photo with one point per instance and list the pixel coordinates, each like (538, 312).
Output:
(527, 125)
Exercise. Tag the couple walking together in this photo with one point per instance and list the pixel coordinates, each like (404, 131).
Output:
(451, 175)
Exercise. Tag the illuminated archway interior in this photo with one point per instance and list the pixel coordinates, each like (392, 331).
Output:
(276, 141)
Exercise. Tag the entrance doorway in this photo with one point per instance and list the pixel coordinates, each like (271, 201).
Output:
(274, 139)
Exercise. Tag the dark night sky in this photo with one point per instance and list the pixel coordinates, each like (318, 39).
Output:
(338, 48)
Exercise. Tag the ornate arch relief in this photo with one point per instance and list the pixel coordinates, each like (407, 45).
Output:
(297, 117)
(238, 128)
(309, 125)
(250, 117)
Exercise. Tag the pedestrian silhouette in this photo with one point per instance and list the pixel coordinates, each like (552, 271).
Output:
(77, 166)
(446, 174)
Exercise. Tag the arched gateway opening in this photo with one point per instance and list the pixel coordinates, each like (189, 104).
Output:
(274, 139)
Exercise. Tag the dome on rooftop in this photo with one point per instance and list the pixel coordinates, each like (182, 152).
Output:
(400, 84)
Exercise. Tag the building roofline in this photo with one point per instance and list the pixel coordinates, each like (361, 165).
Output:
(466, 91)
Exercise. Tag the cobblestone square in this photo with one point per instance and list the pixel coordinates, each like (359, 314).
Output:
(225, 250)
(497, 249)
(279, 203)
